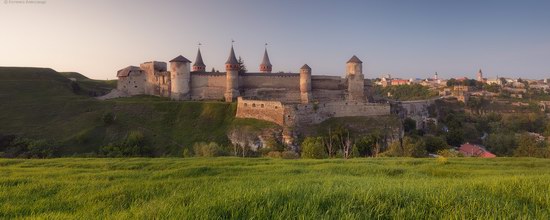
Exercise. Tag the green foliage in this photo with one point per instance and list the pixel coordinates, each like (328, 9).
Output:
(16, 147)
(455, 137)
(409, 125)
(212, 149)
(411, 147)
(491, 88)
(289, 155)
(434, 144)
(501, 144)
(108, 118)
(529, 146)
(135, 145)
(449, 153)
(406, 92)
(236, 188)
(312, 147)
(274, 154)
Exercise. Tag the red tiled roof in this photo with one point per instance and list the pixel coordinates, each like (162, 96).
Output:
(472, 150)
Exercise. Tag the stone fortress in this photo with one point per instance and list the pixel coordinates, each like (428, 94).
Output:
(288, 99)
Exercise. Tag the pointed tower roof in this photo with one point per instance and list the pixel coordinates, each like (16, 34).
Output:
(305, 67)
(181, 59)
(265, 61)
(198, 60)
(354, 59)
(232, 59)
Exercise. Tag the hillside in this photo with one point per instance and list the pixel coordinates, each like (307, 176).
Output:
(74, 75)
(40, 103)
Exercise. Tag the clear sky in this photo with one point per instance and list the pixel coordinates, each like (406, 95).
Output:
(405, 38)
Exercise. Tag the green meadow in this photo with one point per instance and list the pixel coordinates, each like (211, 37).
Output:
(262, 188)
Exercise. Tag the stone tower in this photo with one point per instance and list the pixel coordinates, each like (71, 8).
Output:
(199, 66)
(180, 78)
(355, 78)
(305, 84)
(232, 77)
(265, 66)
(436, 77)
(479, 76)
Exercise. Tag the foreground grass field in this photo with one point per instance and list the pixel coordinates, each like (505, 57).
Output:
(262, 188)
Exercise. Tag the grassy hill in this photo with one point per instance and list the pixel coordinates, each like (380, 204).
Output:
(74, 75)
(40, 103)
(262, 188)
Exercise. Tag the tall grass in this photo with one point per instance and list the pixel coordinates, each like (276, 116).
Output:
(261, 188)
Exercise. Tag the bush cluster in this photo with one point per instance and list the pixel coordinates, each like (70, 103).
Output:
(16, 147)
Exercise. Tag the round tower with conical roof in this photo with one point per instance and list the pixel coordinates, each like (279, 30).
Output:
(355, 78)
(305, 84)
(265, 66)
(199, 66)
(232, 77)
(180, 78)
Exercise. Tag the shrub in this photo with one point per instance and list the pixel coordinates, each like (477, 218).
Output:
(434, 144)
(312, 147)
(133, 146)
(187, 153)
(203, 149)
(289, 155)
(274, 154)
(449, 153)
(108, 118)
(442, 160)
(411, 147)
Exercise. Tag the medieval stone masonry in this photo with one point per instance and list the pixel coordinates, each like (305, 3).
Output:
(288, 99)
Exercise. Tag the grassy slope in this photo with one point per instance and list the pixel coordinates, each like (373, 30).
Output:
(207, 188)
(39, 103)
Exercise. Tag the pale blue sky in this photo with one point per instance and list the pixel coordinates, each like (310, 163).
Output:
(404, 38)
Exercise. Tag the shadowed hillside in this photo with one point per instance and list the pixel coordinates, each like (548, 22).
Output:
(40, 103)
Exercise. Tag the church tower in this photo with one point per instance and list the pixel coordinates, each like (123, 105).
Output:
(355, 78)
(265, 66)
(305, 84)
(232, 77)
(180, 78)
(199, 66)
(479, 76)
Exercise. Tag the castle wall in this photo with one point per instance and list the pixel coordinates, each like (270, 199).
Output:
(304, 114)
(207, 86)
(272, 80)
(134, 84)
(272, 111)
(327, 83)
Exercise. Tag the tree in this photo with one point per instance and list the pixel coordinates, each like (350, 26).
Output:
(312, 147)
(411, 147)
(108, 118)
(329, 144)
(501, 144)
(242, 66)
(409, 125)
(347, 145)
(529, 146)
(452, 82)
(433, 144)
(455, 137)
